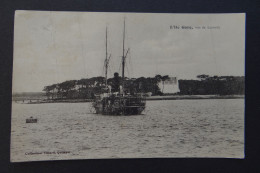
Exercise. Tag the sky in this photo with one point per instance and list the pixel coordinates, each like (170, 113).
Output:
(52, 47)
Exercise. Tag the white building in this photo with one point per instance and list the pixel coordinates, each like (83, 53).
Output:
(169, 86)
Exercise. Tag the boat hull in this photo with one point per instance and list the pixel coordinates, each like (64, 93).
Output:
(120, 105)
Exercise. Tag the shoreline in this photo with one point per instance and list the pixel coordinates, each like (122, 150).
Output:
(194, 97)
(151, 98)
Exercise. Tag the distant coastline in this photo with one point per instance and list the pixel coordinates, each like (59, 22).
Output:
(38, 100)
(194, 97)
(84, 90)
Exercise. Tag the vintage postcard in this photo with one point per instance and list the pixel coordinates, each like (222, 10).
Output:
(92, 85)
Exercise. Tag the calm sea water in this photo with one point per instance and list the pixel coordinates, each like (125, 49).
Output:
(171, 128)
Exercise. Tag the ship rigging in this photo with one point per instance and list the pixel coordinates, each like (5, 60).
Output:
(117, 101)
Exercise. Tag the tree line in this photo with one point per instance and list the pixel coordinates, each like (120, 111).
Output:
(87, 88)
(204, 85)
(213, 85)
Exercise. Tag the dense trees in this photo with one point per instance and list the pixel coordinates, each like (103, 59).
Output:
(211, 85)
(160, 78)
(86, 88)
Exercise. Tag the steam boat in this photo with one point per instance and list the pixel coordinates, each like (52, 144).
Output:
(116, 99)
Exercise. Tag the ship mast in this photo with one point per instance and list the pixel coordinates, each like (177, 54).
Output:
(123, 59)
(106, 61)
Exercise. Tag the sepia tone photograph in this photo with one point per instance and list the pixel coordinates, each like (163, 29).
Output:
(96, 85)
